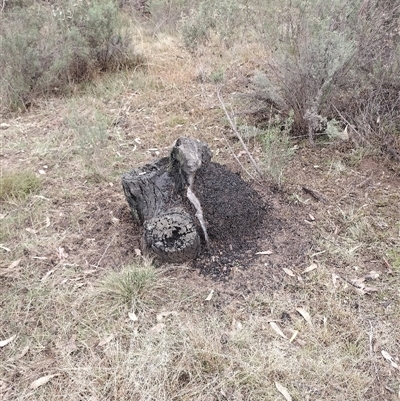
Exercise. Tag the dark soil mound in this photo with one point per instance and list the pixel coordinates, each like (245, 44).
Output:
(235, 214)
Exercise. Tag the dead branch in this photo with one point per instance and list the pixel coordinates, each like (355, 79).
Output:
(316, 195)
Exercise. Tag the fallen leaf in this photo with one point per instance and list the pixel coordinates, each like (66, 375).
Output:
(312, 218)
(5, 342)
(138, 252)
(264, 253)
(370, 289)
(389, 358)
(210, 295)
(310, 268)
(42, 172)
(22, 353)
(14, 264)
(283, 390)
(358, 282)
(132, 316)
(47, 275)
(236, 326)
(5, 248)
(42, 380)
(31, 230)
(288, 272)
(158, 328)
(106, 340)
(372, 275)
(71, 346)
(305, 315)
(334, 278)
(11, 268)
(277, 330)
(294, 335)
(162, 315)
(61, 253)
(386, 355)
(3, 386)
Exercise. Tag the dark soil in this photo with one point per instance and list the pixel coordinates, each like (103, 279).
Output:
(236, 217)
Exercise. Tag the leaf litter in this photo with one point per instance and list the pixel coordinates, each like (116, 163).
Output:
(305, 315)
(277, 329)
(7, 341)
(41, 381)
(284, 391)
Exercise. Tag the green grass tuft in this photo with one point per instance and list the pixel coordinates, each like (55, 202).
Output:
(131, 283)
(18, 185)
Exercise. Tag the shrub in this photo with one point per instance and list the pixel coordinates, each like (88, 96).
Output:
(327, 56)
(46, 47)
(222, 18)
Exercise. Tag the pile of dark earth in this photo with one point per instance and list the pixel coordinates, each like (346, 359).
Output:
(237, 219)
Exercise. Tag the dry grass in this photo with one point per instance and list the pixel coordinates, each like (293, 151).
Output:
(73, 298)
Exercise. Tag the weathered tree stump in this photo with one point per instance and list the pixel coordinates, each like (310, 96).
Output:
(158, 196)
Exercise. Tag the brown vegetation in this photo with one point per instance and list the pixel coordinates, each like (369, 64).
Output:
(315, 313)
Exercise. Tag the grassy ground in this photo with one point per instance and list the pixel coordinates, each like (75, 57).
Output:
(88, 319)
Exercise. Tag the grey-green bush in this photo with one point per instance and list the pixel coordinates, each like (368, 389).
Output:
(331, 60)
(223, 18)
(46, 46)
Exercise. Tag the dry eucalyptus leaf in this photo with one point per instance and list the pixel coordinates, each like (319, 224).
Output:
(288, 272)
(386, 355)
(132, 316)
(370, 289)
(236, 326)
(294, 335)
(389, 358)
(283, 390)
(310, 268)
(3, 386)
(5, 342)
(5, 248)
(11, 268)
(158, 328)
(305, 315)
(22, 353)
(14, 264)
(372, 275)
(31, 230)
(106, 340)
(277, 330)
(61, 253)
(210, 295)
(47, 275)
(71, 346)
(42, 380)
(162, 315)
(264, 253)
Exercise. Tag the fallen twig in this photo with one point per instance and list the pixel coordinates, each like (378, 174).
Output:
(316, 195)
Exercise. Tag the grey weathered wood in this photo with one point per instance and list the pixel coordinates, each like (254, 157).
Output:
(157, 195)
